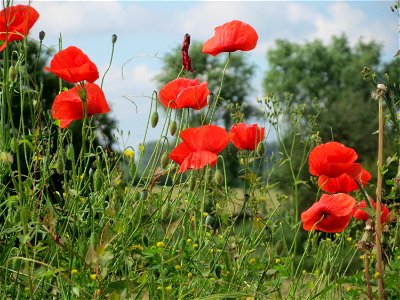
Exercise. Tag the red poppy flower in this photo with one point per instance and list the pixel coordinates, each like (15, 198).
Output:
(247, 137)
(332, 160)
(200, 146)
(72, 65)
(15, 23)
(67, 106)
(362, 215)
(342, 184)
(331, 213)
(230, 37)
(184, 93)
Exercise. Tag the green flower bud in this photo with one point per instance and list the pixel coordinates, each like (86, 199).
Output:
(97, 180)
(12, 74)
(279, 247)
(192, 183)
(261, 149)
(173, 127)
(114, 38)
(60, 162)
(154, 119)
(218, 177)
(70, 152)
(42, 34)
(165, 160)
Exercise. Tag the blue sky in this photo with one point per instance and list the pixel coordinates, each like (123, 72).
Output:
(147, 30)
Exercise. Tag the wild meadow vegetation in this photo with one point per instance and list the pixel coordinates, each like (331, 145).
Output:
(215, 208)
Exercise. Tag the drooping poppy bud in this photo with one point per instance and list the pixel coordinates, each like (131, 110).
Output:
(186, 61)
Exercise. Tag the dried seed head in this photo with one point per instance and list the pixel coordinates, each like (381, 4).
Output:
(6, 158)
(381, 87)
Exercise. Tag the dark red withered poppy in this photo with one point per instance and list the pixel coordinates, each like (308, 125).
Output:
(247, 136)
(344, 183)
(72, 65)
(230, 37)
(200, 147)
(15, 23)
(362, 215)
(184, 93)
(332, 160)
(331, 213)
(186, 61)
(67, 105)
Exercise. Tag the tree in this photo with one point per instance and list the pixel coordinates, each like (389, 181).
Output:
(331, 75)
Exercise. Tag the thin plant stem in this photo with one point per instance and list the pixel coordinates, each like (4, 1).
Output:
(378, 225)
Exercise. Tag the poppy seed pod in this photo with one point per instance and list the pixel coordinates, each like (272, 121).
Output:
(154, 119)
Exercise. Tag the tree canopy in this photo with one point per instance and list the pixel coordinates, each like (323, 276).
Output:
(331, 75)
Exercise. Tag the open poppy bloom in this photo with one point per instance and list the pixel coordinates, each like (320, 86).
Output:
(15, 23)
(72, 65)
(184, 93)
(332, 160)
(230, 37)
(362, 215)
(67, 106)
(200, 147)
(331, 213)
(247, 137)
(344, 183)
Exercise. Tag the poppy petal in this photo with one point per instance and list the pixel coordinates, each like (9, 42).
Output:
(97, 103)
(247, 137)
(230, 37)
(169, 92)
(67, 105)
(342, 184)
(331, 213)
(197, 160)
(72, 65)
(362, 215)
(180, 153)
(208, 137)
(332, 159)
(15, 22)
(193, 97)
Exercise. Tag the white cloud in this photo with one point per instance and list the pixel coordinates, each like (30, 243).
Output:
(355, 24)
